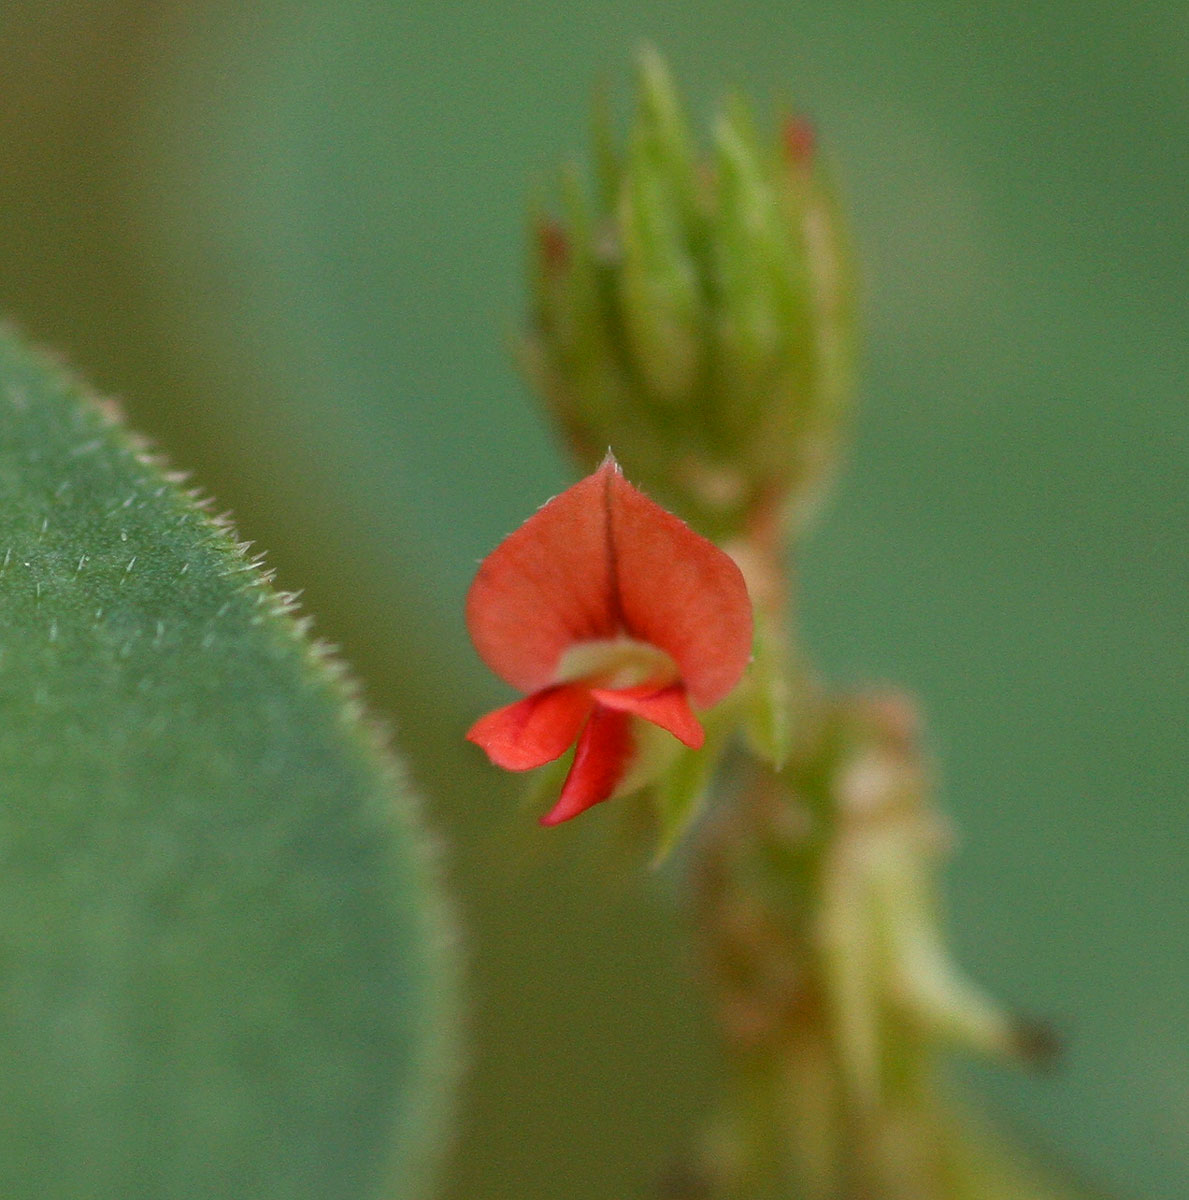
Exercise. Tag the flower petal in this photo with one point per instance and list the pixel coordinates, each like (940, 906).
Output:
(603, 561)
(604, 751)
(678, 591)
(533, 731)
(665, 706)
(546, 586)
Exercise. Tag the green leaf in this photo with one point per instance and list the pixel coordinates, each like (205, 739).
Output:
(223, 962)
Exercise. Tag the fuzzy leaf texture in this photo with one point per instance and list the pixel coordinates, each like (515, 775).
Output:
(224, 969)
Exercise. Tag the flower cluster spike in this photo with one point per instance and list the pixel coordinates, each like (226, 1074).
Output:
(697, 312)
(607, 611)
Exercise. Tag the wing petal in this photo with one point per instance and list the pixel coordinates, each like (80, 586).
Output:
(666, 707)
(604, 751)
(535, 730)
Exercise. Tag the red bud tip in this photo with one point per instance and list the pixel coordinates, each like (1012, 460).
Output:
(555, 249)
(799, 139)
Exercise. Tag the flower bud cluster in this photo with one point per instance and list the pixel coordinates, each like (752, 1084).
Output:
(697, 314)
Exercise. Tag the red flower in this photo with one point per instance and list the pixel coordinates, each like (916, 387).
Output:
(605, 609)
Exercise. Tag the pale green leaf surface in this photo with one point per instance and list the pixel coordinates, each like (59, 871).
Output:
(222, 958)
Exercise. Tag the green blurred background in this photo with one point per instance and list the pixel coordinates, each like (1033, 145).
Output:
(289, 235)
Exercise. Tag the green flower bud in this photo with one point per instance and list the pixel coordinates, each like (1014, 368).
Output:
(697, 315)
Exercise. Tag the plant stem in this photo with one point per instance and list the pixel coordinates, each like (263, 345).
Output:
(813, 889)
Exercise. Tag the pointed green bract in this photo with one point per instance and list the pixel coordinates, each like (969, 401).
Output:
(224, 969)
(752, 278)
(660, 292)
(663, 131)
(770, 709)
(680, 794)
